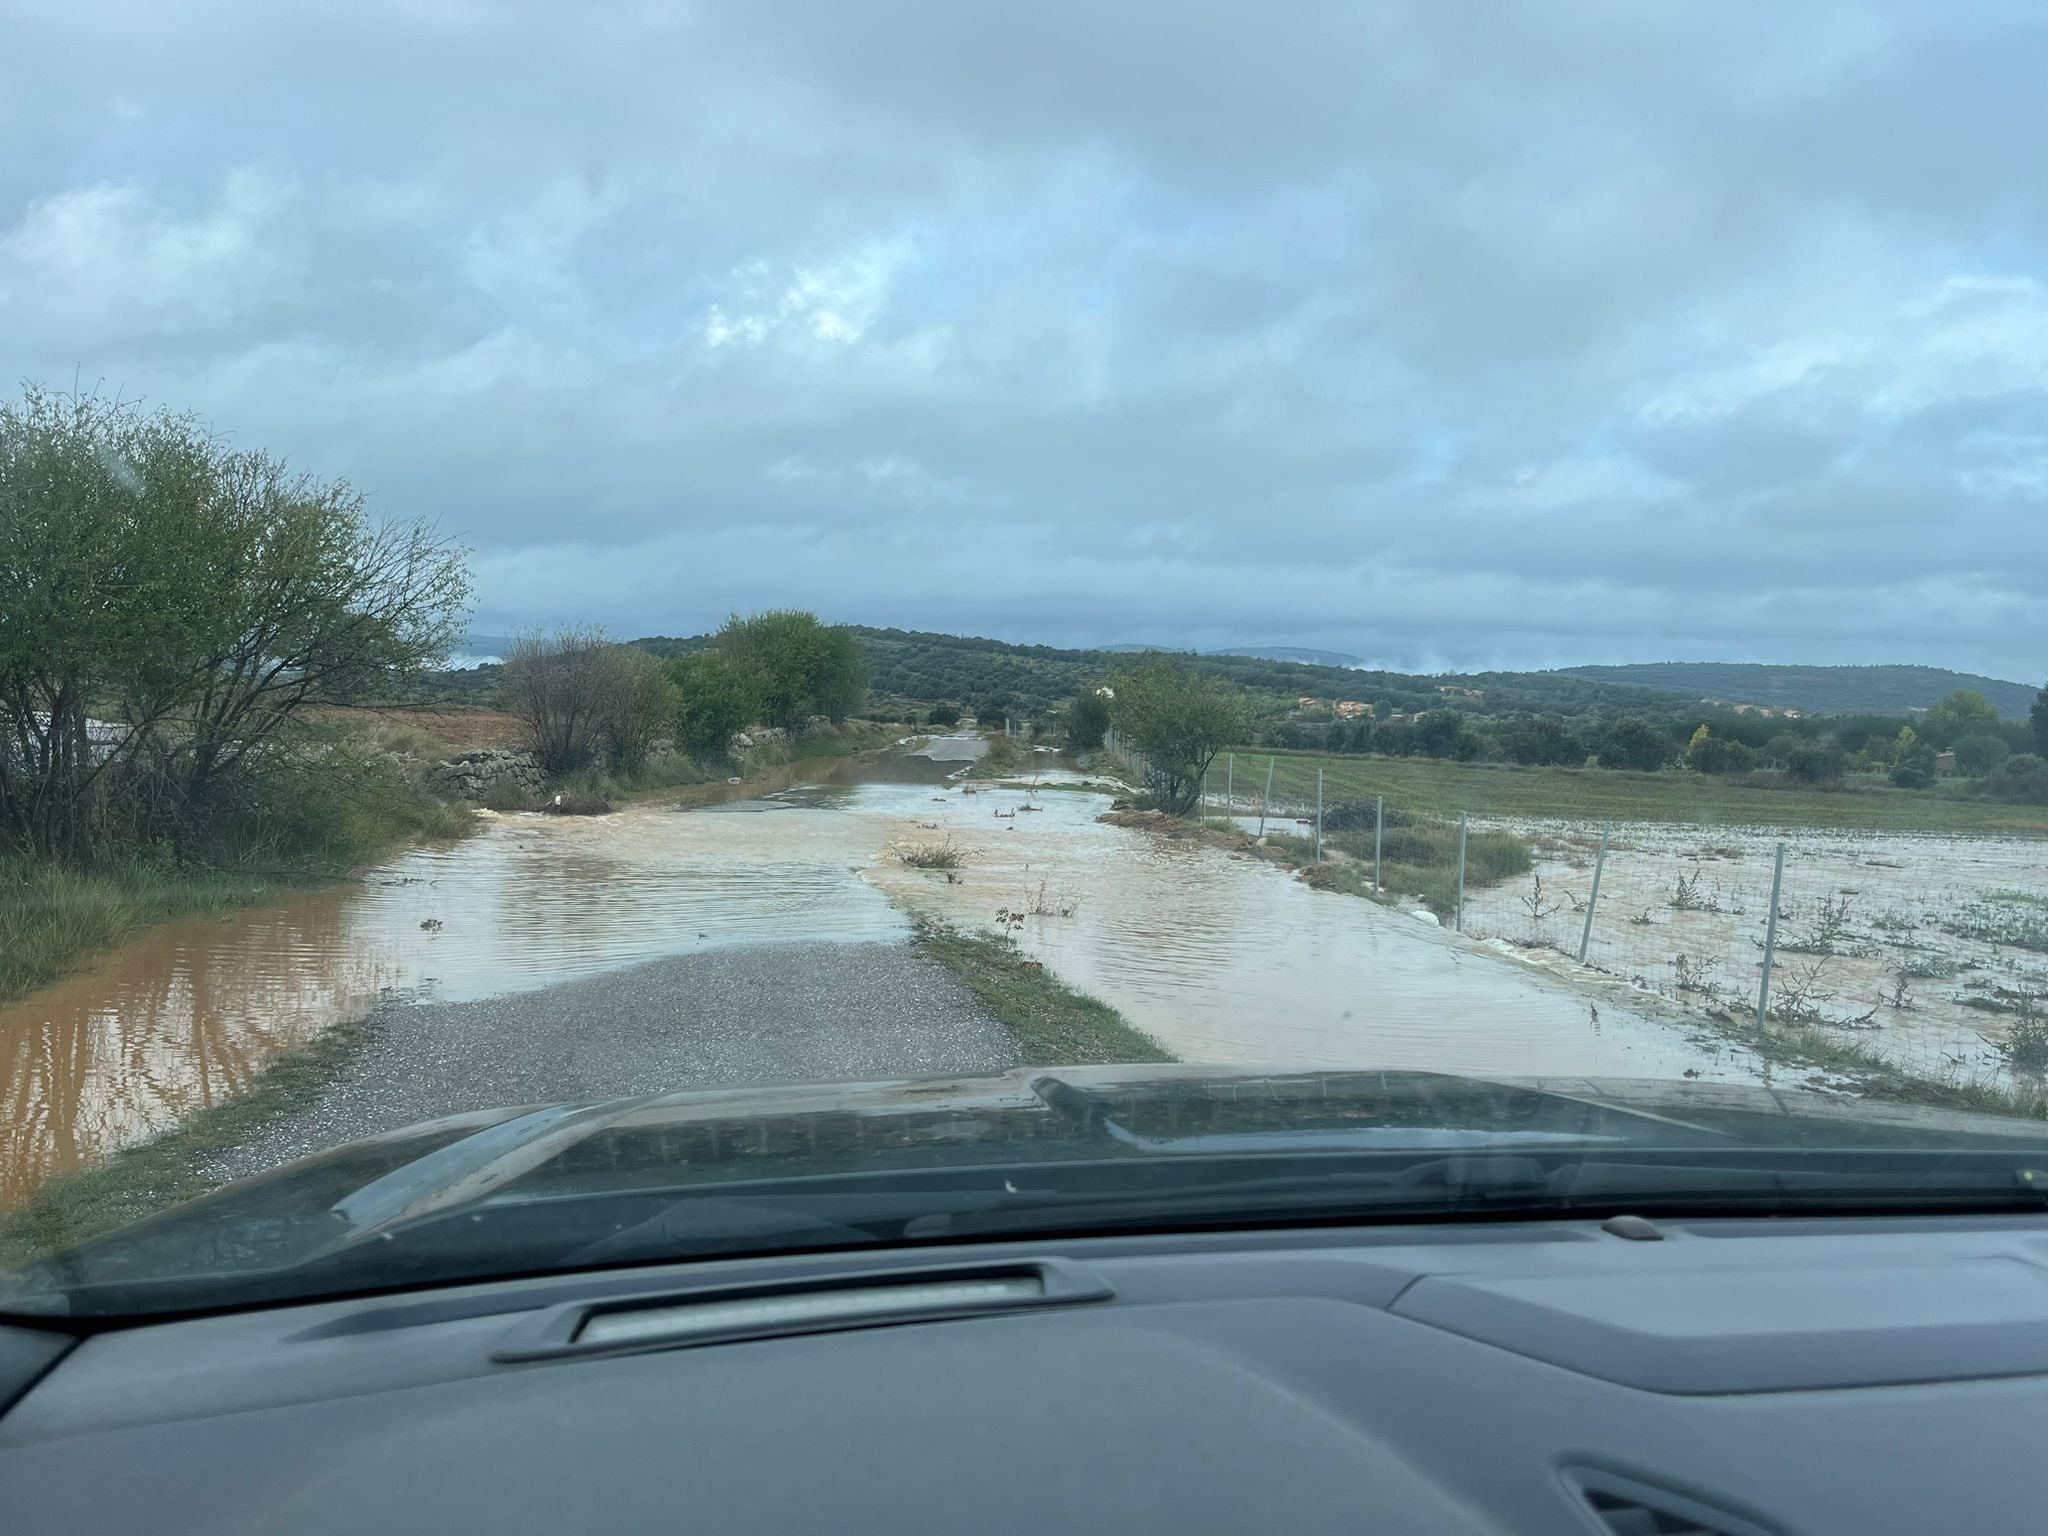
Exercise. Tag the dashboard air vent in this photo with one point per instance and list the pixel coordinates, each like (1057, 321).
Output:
(1627, 1508)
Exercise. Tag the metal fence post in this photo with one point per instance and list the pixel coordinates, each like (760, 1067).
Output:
(1592, 901)
(1229, 784)
(1379, 826)
(1319, 815)
(1763, 991)
(1458, 922)
(1268, 795)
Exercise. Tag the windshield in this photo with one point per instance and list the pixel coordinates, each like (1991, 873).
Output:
(629, 632)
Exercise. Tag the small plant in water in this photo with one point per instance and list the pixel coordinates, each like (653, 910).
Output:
(1696, 977)
(1046, 902)
(1828, 931)
(1539, 904)
(2025, 1044)
(939, 855)
(1690, 897)
(1798, 991)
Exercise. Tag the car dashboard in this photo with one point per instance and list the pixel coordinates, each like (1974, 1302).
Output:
(1793, 1376)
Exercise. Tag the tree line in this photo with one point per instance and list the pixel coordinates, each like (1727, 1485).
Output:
(588, 701)
(1167, 706)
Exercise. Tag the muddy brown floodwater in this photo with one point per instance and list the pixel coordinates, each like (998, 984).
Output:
(185, 1016)
(1224, 959)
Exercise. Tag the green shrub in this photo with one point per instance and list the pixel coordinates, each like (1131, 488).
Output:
(1541, 743)
(1977, 755)
(1914, 768)
(1087, 720)
(2021, 779)
(1635, 743)
(1816, 762)
(1720, 755)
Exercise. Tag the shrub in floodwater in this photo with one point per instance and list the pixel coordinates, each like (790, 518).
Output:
(2025, 1044)
(940, 855)
(1993, 922)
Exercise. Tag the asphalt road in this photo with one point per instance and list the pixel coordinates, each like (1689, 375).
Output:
(955, 749)
(764, 1013)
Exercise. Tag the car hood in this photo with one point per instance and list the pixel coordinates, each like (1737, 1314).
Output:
(826, 1131)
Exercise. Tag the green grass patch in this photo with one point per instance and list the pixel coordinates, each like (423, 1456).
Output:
(55, 919)
(1004, 756)
(1056, 1025)
(141, 1180)
(1418, 859)
(1444, 789)
(310, 823)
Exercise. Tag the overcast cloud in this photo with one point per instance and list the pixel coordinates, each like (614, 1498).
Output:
(1449, 335)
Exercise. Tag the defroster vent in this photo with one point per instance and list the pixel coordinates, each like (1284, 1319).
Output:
(1629, 1508)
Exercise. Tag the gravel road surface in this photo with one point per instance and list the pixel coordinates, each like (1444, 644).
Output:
(765, 1013)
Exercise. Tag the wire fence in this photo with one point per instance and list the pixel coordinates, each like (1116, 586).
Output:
(1924, 951)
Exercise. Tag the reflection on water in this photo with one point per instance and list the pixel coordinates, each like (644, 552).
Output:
(185, 1016)
(1224, 959)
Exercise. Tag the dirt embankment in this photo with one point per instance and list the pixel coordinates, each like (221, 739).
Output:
(459, 728)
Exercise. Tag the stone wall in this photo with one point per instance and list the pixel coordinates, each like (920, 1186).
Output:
(473, 775)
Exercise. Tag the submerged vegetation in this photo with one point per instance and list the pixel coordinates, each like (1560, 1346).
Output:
(1055, 1025)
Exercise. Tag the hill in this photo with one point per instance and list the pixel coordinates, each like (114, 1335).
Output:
(915, 669)
(1819, 690)
(993, 678)
(996, 677)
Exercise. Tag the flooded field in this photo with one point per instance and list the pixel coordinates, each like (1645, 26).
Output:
(1223, 958)
(1922, 947)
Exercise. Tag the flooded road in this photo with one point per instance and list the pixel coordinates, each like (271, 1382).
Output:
(1222, 958)
(1229, 959)
(185, 1016)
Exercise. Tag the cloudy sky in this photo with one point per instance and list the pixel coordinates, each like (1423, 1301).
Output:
(1448, 335)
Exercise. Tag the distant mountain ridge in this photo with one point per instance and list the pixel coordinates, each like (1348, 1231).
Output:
(1304, 654)
(1307, 656)
(1819, 690)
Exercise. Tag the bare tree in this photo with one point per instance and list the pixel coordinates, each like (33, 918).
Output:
(556, 684)
(585, 699)
(639, 708)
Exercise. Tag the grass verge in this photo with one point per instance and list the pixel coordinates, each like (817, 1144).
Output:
(1600, 794)
(141, 1180)
(1056, 1025)
(55, 919)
